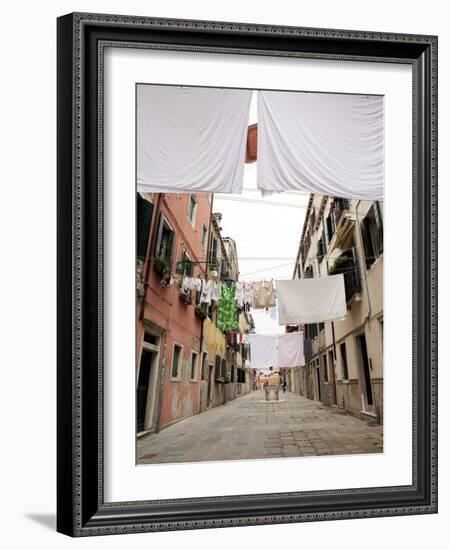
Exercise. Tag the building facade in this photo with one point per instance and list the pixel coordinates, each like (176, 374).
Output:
(344, 359)
(185, 363)
(172, 237)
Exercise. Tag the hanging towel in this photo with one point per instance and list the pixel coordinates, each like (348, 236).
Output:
(263, 351)
(290, 350)
(329, 144)
(191, 140)
(263, 294)
(311, 300)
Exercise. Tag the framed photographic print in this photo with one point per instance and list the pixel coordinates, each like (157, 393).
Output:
(247, 288)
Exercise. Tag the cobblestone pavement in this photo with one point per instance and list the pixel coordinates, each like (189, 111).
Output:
(249, 427)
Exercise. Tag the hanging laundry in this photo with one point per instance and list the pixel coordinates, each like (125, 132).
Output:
(263, 351)
(206, 293)
(227, 317)
(263, 294)
(191, 139)
(329, 144)
(311, 300)
(216, 291)
(187, 284)
(290, 349)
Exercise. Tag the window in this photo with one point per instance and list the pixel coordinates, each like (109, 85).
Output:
(185, 266)
(213, 253)
(192, 209)
(175, 368)
(193, 365)
(224, 369)
(308, 273)
(143, 217)
(325, 371)
(320, 327)
(311, 331)
(372, 234)
(204, 368)
(217, 367)
(344, 362)
(165, 241)
(330, 228)
(241, 376)
(204, 236)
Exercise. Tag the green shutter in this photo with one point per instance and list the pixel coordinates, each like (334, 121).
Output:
(379, 227)
(143, 219)
(169, 252)
(367, 243)
(157, 248)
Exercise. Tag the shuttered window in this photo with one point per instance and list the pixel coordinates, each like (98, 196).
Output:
(144, 211)
(165, 241)
(372, 234)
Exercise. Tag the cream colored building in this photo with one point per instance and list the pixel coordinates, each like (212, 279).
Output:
(344, 359)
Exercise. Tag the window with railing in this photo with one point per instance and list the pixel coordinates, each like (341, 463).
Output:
(340, 206)
(372, 234)
(348, 265)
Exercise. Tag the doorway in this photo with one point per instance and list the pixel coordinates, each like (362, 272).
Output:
(366, 377)
(318, 385)
(209, 385)
(146, 361)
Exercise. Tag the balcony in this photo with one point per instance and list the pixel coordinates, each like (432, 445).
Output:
(340, 206)
(348, 265)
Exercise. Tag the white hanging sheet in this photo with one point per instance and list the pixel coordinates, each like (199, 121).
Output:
(290, 350)
(191, 139)
(329, 144)
(263, 351)
(311, 300)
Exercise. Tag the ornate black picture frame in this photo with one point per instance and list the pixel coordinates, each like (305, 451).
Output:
(81, 510)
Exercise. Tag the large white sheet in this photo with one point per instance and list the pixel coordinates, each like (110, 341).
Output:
(263, 351)
(329, 144)
(290, 350)
(311, 300)
(191, 139)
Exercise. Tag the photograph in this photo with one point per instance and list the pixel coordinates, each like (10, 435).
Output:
(259, 274)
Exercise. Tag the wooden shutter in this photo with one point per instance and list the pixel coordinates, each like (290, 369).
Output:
(160, 227)
(170, 242)
(367, 243)
(379, 228)
(143, 219)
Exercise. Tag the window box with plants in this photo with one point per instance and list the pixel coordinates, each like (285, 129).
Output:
(185, 297)
(201, 311)
(161, 265)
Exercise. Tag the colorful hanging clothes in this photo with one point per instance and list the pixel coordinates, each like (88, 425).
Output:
(227, 317)
(263, 294)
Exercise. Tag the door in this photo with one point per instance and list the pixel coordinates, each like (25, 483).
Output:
(209, 385)
(318, 385)
(366, 377)
(143, 383)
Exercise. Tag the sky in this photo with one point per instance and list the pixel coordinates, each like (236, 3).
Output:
(267, 232)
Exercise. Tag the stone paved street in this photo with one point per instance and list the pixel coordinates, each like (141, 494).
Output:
(249, 427)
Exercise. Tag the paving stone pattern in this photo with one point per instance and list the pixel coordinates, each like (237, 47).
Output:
(250, 427)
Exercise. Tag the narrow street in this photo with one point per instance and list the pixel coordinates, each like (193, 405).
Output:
(249, 427)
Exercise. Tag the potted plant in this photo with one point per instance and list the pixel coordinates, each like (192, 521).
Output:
(161, 265)
(185, 297)
(201, 311)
